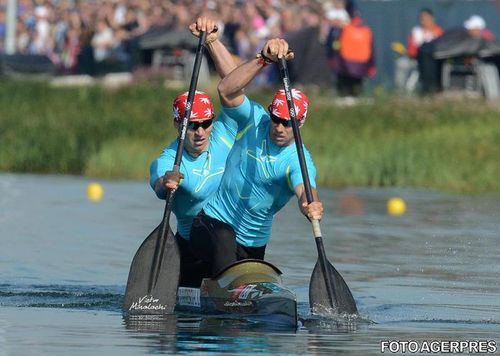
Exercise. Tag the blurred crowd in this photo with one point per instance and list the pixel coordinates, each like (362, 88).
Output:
(78, 35)
(61, 29)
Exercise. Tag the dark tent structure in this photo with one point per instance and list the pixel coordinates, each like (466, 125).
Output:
(165, 37)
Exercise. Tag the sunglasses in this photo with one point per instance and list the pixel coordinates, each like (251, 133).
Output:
(195, 125)
(284, 122)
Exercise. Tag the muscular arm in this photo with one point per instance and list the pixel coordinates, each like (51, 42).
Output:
(223, 60)
(231, 88)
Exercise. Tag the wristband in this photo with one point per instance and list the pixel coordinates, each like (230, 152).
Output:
(261, 60)
(267, 59)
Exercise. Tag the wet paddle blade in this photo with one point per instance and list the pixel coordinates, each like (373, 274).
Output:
(162, 297)
(343, 302)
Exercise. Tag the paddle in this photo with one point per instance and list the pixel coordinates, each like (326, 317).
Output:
(154, 273)
(327, 288)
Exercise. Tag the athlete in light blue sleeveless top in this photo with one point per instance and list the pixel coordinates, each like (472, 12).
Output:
(262, 171)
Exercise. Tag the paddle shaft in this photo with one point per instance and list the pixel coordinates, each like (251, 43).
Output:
(158, 256)
(305, 177)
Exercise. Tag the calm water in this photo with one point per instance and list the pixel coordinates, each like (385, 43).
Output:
(432, 274)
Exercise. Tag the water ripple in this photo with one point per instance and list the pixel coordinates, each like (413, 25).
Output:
(62, 296)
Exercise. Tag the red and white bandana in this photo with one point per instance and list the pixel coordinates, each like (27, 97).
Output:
(279, 105)
(201, 110)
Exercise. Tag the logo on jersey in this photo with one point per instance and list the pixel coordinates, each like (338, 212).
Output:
(206, 172)
(262, 158)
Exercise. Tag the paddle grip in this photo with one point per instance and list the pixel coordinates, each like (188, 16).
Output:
(316, 228)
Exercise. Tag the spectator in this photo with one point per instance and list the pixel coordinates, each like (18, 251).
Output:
(337, 14)
(23, 37)
(337, 17)
(103, 41)
(42, 41)
(71, 48)
(406, 74)
(352, 57)
(426, 32)
(476, 28)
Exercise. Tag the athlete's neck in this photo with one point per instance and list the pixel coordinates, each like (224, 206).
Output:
(193, 152)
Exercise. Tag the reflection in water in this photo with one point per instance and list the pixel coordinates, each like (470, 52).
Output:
(351, 204)
(177, 333)
(160, 333)
(182, 333)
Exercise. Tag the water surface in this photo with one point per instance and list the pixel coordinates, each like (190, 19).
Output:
(431, 274)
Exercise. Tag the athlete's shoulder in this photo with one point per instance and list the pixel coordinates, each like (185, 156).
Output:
(171, 149)
(289, 154)
(223, 134)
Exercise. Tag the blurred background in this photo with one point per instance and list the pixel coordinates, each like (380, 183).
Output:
(96, 37)
(403, 92)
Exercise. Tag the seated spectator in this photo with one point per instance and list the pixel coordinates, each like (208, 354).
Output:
(406, 74)
(476, 27)
(463, 42)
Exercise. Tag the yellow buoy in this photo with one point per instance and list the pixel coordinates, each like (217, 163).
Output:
(95, 192)
(396, 206)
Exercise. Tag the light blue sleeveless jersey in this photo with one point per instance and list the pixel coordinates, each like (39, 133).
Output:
(202, 174)
(259, 179)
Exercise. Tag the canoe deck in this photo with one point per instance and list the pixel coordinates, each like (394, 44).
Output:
(248, 289)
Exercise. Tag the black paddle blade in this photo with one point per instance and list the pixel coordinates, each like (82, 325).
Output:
(161, 299)
(343, 302)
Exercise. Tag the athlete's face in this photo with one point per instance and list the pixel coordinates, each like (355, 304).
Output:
(197, 136)
(281, 131)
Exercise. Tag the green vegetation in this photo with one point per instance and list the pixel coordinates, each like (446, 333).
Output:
(432, 143)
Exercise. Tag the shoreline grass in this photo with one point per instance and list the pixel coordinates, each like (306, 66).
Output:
(437, 143)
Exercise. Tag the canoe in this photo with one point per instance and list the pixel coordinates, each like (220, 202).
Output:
(248, 289)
